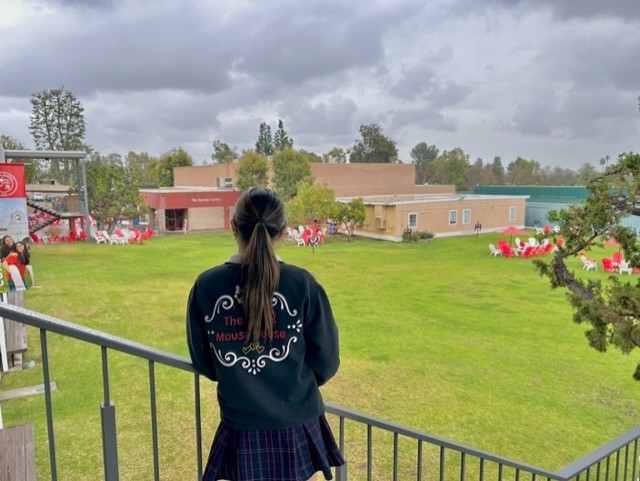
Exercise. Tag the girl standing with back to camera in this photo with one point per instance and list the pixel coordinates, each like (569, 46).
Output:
(265, 332)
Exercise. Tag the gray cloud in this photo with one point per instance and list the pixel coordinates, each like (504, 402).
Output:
(538, 78)
(623, 9)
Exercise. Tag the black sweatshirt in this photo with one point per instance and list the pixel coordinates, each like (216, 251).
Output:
(274, 384)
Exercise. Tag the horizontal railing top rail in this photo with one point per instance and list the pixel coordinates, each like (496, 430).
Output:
(93, 336)
(572, 470)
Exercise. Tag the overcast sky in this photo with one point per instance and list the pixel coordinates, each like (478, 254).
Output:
(552, 80)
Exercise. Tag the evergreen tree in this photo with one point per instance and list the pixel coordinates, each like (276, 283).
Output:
(264, 144)
(57, 123)
(608, 305)
(281, 140)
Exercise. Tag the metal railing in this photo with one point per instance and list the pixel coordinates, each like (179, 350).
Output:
(401, 453)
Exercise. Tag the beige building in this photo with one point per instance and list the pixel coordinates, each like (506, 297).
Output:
(393, 201)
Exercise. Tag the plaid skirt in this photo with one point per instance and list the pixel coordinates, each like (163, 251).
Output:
(291, 454)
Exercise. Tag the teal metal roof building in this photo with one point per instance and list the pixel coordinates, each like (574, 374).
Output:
(543, 199)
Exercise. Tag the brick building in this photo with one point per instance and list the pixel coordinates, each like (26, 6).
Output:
(203, 198)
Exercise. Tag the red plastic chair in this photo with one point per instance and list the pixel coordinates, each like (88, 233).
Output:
(607, 265)
(506, 250)
(616, 257)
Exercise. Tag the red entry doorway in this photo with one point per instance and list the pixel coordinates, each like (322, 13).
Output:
(174, 219)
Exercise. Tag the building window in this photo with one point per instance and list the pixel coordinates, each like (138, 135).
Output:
(453, 217)
(466, 216)
(412, 222)
(512, 213)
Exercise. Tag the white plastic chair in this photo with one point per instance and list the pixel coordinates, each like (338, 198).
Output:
(588, 264)
(625, 266)
(494, 251)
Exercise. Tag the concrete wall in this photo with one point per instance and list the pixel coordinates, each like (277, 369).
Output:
(345, 179)
(206, 218)
(357, 180)
(203, 175)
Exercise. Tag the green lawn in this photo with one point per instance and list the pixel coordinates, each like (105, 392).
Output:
(437, 335)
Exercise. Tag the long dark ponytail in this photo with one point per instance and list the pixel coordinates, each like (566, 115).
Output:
(259, 219)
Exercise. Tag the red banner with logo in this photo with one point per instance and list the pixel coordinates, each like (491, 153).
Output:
(12, 180)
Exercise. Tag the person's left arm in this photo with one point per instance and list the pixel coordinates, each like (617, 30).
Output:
(321, 338)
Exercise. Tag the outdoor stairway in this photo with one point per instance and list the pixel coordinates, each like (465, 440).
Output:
(50, 217)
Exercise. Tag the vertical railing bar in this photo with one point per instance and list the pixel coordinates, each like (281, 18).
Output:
(462, 466)
(606, 472)
(108, 425)
(626, 462)
(598, 470)
(105, 376)
(341, 441)
(441, 474)
(533, 476)
(198, 413)
(154, 420)
(341, 471)
(419, 462)
(48, 405)
(481, 470)
(395, 457)
(500, 472)
(635, 457)
(617, 464)
(588, 474)
(369, 451)
(517, 474)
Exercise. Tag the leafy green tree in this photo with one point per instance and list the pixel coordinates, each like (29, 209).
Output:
(57, 123)
(451, 167)
(312, 202)
(479, 174)
(143, 167)
(611, 306)
(336, 154)
(586, 173)
(264, 144)
(374, 147)
(498, 171)
(222, 153)
(422, 155)
(176, 157)
(557, 175)
(252, 171)
(112, 190)
(312, 157)
(31, 166)
(290, 167)
(281, 140)
(524, 172)
(351, 214)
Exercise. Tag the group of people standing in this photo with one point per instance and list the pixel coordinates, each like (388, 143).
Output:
(16, 263)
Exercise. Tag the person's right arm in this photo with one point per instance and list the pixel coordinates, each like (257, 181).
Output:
(197, 338)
